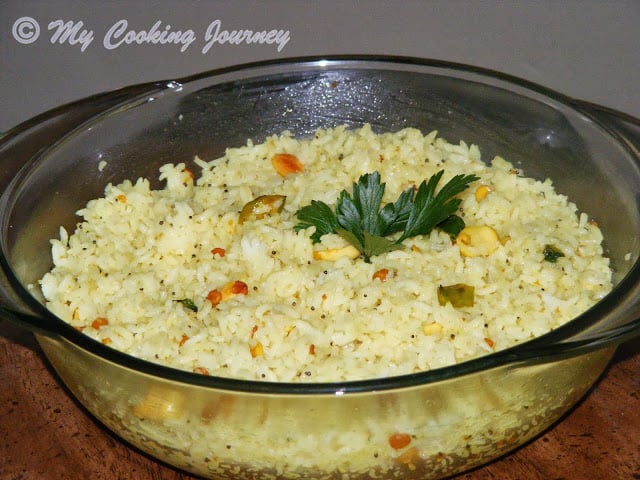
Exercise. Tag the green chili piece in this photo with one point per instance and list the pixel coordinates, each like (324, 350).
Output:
(459, 295)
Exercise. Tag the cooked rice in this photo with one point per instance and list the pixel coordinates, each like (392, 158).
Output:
(139, 253)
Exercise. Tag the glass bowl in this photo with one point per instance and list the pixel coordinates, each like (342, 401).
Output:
(457, 417)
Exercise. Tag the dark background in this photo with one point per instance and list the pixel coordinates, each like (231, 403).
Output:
(586, 49)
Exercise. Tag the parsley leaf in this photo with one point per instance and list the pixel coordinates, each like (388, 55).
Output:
(361, 221)
(394, 216)
(318, 214)
(367, 196)
(453, 225)
(370, 245)
(430, 209)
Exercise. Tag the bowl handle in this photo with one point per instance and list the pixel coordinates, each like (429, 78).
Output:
(626, 325)
(625, 125)
(628, 128)
(17, 146)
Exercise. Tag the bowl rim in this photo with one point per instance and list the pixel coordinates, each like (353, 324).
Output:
(552, 346)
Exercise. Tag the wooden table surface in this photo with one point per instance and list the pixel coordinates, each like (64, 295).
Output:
(46, 435)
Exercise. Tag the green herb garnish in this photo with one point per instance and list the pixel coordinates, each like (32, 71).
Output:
(552, 253)
(188, 304)
(359, 219)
